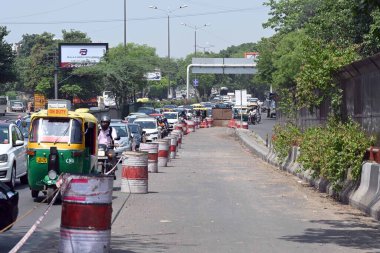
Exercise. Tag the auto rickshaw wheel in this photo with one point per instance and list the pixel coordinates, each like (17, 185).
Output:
(34, 193)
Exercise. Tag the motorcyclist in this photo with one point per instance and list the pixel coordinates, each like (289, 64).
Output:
(106, 134)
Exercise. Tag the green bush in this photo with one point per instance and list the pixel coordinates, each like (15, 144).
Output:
(331, 151)
(285, 136)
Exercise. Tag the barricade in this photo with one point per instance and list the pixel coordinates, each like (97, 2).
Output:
(134, 175)
(232, 123)
(210, 122)
(180, 137)
(163, 152)
(86, 214)
(203, 124)
(173, 145)
(152, 149)
(178, 126)
(190, 126)
(244, 125)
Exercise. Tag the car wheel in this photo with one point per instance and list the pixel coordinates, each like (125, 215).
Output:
(12, 182)
(24, 179)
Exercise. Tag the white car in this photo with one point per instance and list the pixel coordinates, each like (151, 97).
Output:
(12, 155)
(150, 127)
(125, 139)
(172, 117)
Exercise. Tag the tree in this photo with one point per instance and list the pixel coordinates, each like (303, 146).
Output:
(74, 36)
(7, 73)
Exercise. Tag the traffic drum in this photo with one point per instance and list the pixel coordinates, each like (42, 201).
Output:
(152, 149)
(86, 214)
(134, 175)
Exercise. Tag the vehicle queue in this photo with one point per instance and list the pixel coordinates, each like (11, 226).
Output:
(59, 140)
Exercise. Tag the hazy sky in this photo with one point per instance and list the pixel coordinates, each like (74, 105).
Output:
(229, 22)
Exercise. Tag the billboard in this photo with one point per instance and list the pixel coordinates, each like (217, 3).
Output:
(153, 76)
(73, 55)
(251, 55)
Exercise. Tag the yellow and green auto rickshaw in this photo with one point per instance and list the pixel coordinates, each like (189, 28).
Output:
(60, 141)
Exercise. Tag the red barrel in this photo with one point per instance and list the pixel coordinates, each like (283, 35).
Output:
(86, 214)
(152, 149)
(173, 145)
(209, 122)
(180, 137)
(244, 125)
(190, 126)
(163, 152)
(134, 174)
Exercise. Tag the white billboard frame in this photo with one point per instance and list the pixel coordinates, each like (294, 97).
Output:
(73, 55)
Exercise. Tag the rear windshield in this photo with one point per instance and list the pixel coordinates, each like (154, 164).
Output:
(147, 124)
(121, 131)
(171, 115)
(134, 128)
(56, 130)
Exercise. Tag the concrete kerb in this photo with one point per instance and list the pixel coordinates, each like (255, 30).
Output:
(366, 198)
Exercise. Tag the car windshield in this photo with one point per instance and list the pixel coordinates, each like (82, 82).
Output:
(171, 115)
(147, 124)
(121, 131)
(56, 130)
(146, 110)
(4, 135)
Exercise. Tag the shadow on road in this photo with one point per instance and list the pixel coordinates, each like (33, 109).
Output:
(348, 233)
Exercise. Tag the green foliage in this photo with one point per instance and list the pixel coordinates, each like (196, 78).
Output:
(331, 151)
(320, 61)
(6, 58)
(74, 36)
(285, 136)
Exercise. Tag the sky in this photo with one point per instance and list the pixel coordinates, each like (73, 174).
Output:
(218, 23)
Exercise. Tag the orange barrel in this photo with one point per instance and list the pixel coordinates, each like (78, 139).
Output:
(190, 126)
(237, 124)
(134, 174)
(244, 125)
(163, 152)
(152, 149)
(86, 214)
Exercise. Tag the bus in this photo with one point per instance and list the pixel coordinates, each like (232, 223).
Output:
(3, 105)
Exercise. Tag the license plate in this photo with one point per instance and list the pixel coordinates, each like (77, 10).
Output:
(41, 160)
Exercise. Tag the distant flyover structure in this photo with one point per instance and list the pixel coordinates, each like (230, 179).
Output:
(219, 66)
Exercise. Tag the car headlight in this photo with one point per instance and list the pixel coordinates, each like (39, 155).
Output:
(4, 158)
(52, 174)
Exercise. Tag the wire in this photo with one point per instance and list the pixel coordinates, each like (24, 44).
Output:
(45, 12)
(132, 19)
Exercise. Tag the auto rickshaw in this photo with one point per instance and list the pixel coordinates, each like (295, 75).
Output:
(240, 112)
(60, 141)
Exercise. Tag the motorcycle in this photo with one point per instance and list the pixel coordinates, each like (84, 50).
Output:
(106, 159)
(254, 117)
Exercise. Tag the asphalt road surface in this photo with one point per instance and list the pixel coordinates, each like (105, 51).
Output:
(215, 197)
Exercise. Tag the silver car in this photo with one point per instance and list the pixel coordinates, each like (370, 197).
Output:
(125, 142)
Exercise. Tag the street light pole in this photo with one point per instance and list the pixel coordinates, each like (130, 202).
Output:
(168, 12)
(195, 28)
(125, 23)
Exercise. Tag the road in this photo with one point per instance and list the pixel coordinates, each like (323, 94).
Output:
(265, 128)
(215, 197)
